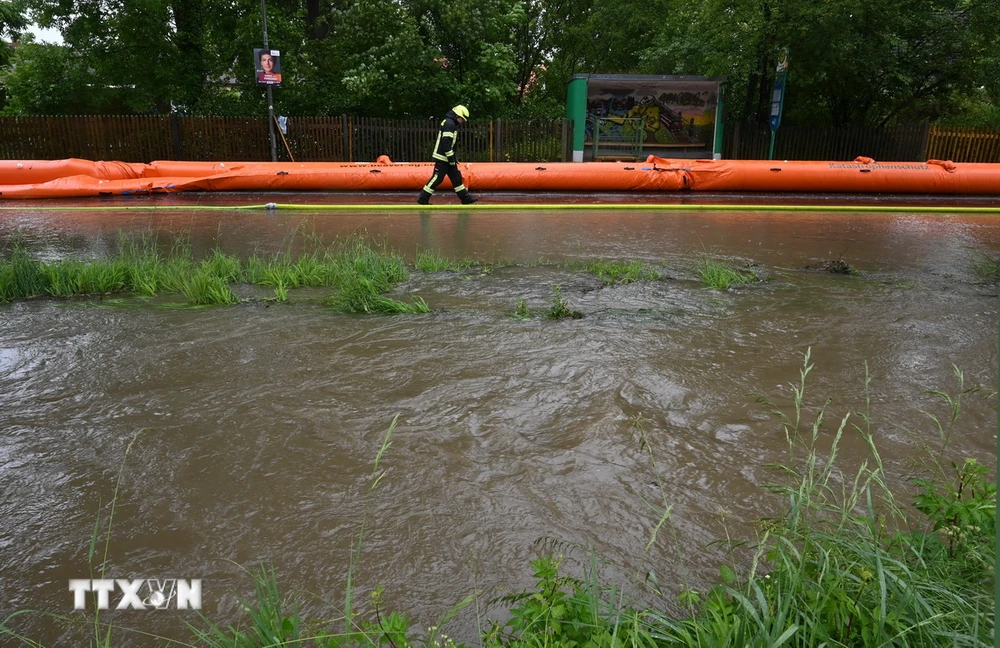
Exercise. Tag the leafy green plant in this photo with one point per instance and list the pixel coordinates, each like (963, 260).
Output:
(361, 294)
(556, 613)
(962, 510)
(559, 308)
(521, 310)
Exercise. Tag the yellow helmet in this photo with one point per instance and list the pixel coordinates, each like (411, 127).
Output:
(461, 111)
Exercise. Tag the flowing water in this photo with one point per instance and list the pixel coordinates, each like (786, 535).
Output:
(255, 426)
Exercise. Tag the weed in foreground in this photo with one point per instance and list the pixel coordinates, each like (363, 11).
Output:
(843, 565)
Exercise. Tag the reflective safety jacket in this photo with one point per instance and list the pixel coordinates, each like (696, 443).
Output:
(444, 148)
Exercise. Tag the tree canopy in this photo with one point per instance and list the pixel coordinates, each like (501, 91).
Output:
(851, 61)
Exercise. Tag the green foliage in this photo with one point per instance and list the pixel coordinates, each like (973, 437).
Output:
(271, 623)
(21, 277)
(521, 310)
(611, 273)
(721, 276)
(841, 566)
(556, 613)
(360, 294)
(428, 261)
(963, 511)
(205, 288)
(852, 62)
(559, 308)
(359, 272)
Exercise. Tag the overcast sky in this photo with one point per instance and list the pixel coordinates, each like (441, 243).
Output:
(46, 35)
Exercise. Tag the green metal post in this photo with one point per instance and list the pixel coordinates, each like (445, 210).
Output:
(576, 111)
(719, 122)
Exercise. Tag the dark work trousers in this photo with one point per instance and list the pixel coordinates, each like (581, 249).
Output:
(444, 170)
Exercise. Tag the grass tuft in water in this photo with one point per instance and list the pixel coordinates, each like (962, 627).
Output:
(559, 308)
(611, 272)
(359, 271)
(22, 277)
(521, 310)
(986, 270)
(205, 288)
(721, 276)
(429, 261)
(359, 294)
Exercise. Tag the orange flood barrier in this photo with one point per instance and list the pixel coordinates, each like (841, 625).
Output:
(28, 179)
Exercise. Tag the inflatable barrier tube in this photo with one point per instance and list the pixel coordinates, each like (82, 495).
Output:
(30, 179)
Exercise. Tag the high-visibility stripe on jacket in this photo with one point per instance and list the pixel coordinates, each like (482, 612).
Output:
(444, 148)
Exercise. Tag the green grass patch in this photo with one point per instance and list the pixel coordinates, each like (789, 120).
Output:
(986, 270)
(206, 289)
(360, 273)
(22, 277)
(721, 276)
(428, 261)
(612, 272)
(362, 295)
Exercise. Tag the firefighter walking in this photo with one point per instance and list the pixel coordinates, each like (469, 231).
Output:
(445, 161)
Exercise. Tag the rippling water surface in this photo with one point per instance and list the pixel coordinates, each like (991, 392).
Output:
(256, 425)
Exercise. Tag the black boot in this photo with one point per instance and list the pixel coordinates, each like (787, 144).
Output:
(466, 197)
(424, 198)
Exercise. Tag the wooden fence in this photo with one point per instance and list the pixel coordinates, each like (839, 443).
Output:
(960, 144)
(907, 143)
(308, 139)
(360, 139)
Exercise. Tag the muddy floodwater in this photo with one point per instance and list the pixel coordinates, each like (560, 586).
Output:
(255, 426)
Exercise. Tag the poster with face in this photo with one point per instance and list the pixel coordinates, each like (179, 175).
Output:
(268, 66)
